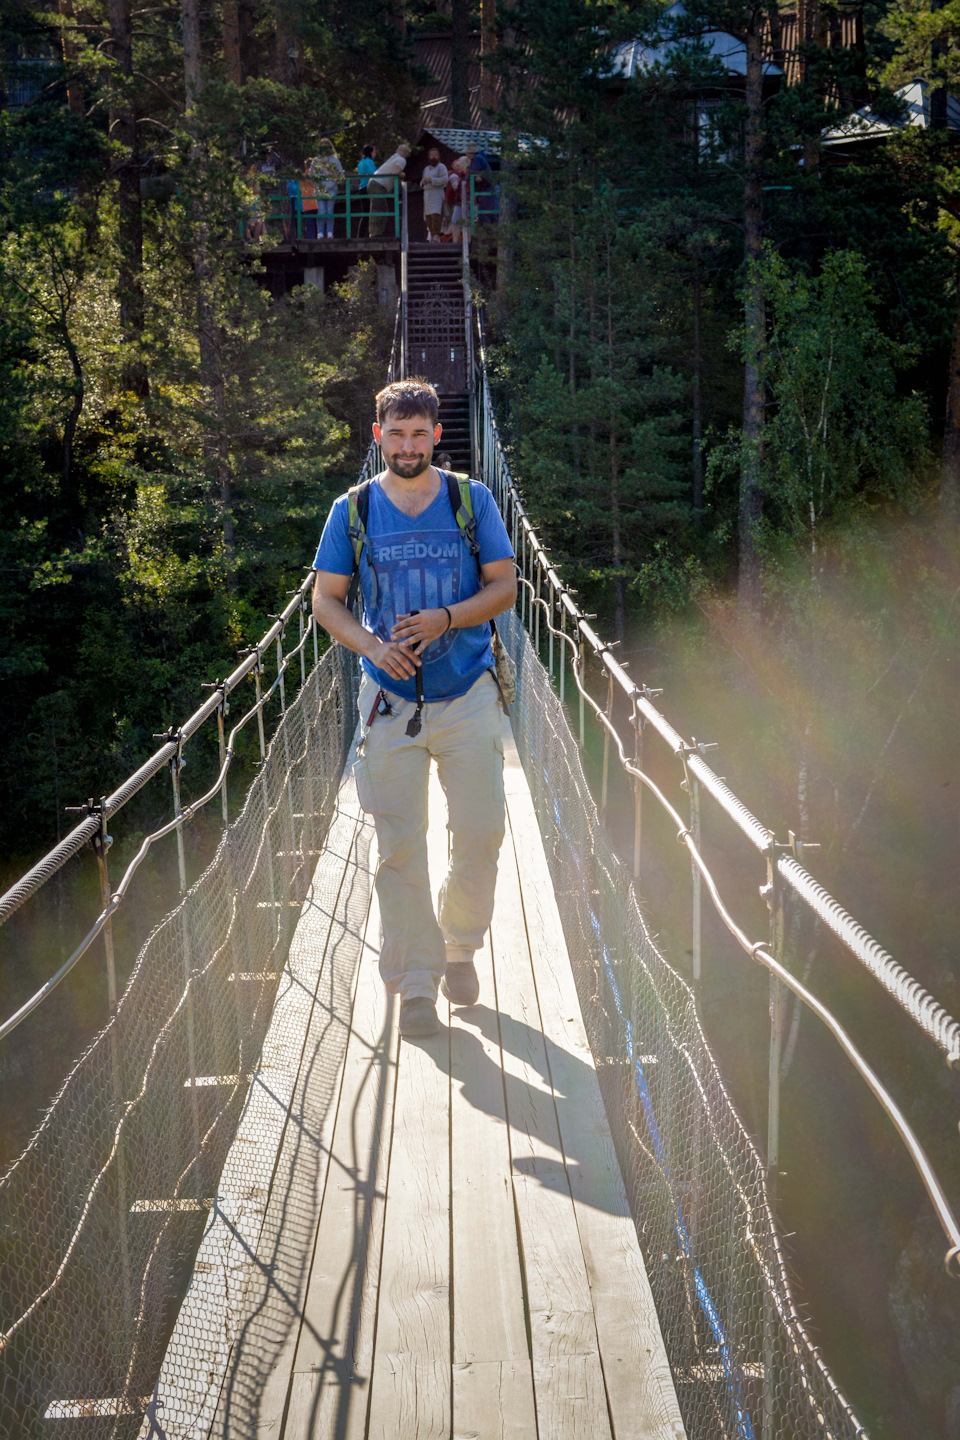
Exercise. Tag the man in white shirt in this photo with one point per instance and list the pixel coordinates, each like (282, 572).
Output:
(433, 181)
(382, 189)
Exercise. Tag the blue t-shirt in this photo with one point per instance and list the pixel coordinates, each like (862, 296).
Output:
(366, 168)
(422, 562)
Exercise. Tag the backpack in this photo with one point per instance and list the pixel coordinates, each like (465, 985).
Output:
(461, 503)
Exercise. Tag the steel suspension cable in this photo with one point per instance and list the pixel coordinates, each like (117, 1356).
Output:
(760, 952)
(907, 992)
(177, 823)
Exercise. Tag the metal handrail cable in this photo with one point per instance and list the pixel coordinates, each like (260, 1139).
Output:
(759, 951)
(84, 832)
(907, 992)
(178, 821)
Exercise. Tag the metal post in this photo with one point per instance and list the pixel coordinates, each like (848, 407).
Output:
(583, 682)
(101, 844)
(404, 249)
(256, 681)
(606, 753)
(638, 791)
(313, 623)
(773, 894)
(697, 912)
(348, 207)
(563, 650)
(550, 629)
(302, 648)
(283, 731)
(523, 595)
(535, 560)
(176, 765)
(222, 713)
(468, 346)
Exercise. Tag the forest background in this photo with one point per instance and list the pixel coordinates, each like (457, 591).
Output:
(727, 370)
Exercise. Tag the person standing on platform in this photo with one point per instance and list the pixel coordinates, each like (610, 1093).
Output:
(457, 198)
(325, 169)
(434, 183)
(484, 185)
(365, 169)
(383, 183)
(428, 691)
(451, 197)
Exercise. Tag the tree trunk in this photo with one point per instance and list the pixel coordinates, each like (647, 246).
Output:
(938, 93)
(232, 55)
(950, 465)
(69, 51)
(488, 48)
(123, 128)
(810, 31)
(68, 485)
(616, 535)
(460, 65)
(697, 396)
(285, 46)
(572, 345)
(508, 209)
(192, 55)
(216, 451)
(751, 504)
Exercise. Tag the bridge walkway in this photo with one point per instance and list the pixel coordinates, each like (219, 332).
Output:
(431, 1238)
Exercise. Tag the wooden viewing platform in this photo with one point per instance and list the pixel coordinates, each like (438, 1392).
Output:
(430, 1238)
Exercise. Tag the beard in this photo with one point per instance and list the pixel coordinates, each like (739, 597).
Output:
(409, 469)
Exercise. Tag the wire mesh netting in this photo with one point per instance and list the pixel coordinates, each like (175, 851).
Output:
(742, 1362)
(102, 1214)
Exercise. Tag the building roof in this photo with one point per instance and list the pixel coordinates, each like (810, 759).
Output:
(634, 57)
(458, 140)
(866, 124)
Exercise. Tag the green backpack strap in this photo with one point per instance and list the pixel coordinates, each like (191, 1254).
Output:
(461, 503)
(358, 511)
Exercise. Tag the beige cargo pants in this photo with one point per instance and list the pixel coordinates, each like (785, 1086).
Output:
(392, 772)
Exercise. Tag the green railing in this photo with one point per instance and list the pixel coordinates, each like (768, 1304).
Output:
(483, 198)
(301, 209)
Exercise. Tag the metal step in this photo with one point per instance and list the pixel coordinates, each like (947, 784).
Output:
(455, 419)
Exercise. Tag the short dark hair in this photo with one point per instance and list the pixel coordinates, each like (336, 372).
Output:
(368, 150)
(406, 398)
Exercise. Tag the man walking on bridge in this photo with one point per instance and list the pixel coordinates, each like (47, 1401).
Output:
(433, 572)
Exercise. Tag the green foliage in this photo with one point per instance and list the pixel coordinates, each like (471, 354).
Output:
(840, 434)
(113, 550)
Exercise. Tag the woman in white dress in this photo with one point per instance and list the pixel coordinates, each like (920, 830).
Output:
(433, 182)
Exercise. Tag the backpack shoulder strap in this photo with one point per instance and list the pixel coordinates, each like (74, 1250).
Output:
(358, 512)
(461, 503)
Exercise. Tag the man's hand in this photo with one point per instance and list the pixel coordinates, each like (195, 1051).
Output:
(396, 660)
(419, 629)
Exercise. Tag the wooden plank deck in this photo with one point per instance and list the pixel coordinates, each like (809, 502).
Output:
(443, 1249)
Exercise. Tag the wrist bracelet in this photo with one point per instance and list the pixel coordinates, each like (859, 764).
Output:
(449, 618)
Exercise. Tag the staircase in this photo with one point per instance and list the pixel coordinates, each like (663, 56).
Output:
(437, 342)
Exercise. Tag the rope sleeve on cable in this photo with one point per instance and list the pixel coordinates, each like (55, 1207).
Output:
(908, 992)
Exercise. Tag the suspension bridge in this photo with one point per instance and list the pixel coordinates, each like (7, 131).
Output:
(250, 1211)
